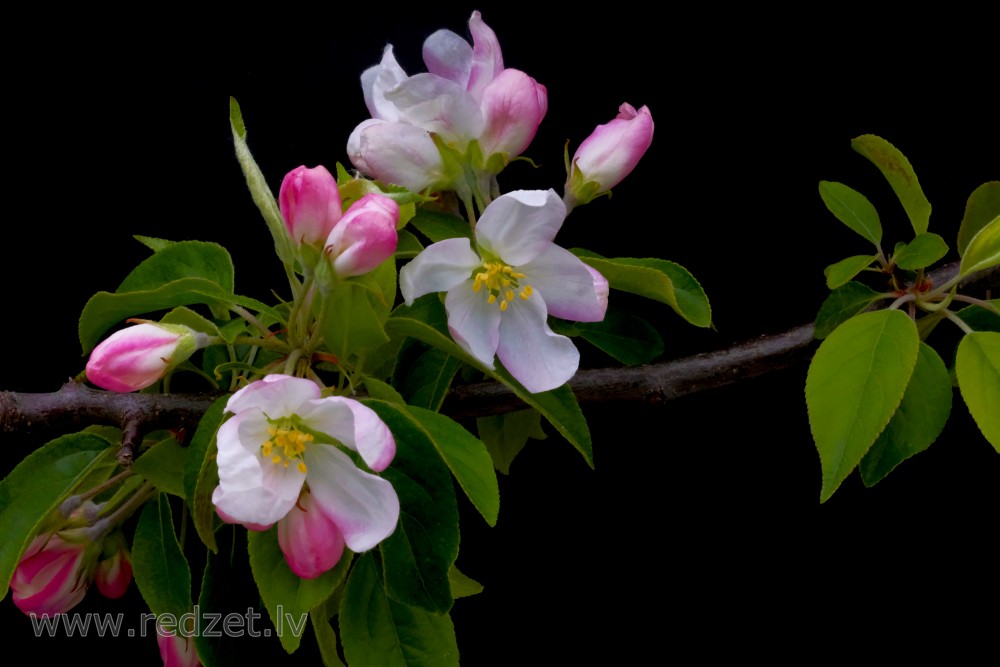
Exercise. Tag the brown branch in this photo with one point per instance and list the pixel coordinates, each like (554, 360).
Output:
(75, 406)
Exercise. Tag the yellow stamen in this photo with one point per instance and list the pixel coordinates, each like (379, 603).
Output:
(286, 444)
(502, 282)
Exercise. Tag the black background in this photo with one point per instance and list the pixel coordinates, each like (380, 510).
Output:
(699, 528)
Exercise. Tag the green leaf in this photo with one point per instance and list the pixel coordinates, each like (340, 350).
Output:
(625, 337)
(917, 422)
(463, 586)
(201, 473)
(980, 318)
(899, 173)
(189, 318)
(841, 272)
(855, 382)
(466, 457)
(440, 226)
(259, 190)
(382, 391)
(423, 374)
(287, 597)
(105, 309)
(921, 252)
(163, 466)
(982, 206)
(407, 245)
(842, 304)
(657, 279)
(326, 639)
(977, 368)
(352, 323)
(38, 485)
(506, 435)
(377, 630)
(184, 259)
(153, 243)
(426, 320)
(161, 571)
(983, 250)
(418, 555)
(852, 208)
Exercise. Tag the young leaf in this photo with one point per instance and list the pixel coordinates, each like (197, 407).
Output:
(841, 272)
(37, 485)
(921, 252)
(184, 259)
(917, 422)
(408, 246)
(982, 206)
(463, 586)
(854, 384)
(440, 226)
(259, 191)
(983, 250)
(426, 320)
(377, 630)
(980, 318)
(424, 546)
(853, 209)
(899, 173)
(506, 435)
(977, 368)
(842, 304)
(423, 374)
(287, 597)
(161, 570)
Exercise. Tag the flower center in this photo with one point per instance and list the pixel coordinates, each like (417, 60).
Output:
(287, 444)
(501, 282)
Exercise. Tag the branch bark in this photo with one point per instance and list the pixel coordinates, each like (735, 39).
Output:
(76, 406)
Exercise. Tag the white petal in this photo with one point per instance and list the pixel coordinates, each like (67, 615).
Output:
(354, 424)
(275, 395)
(439, 267)
(354, 150)
(400, 154)
(567, 285)
(251, 489)
(440, 106)
(521, 224)
(536, 356)
(377, 81)
(474, 323)
(365, 507)
(448, 55)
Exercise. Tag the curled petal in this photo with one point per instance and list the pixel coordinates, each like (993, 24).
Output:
(365, 237)
(377, 81)
(311, 542)
(536, 356)
(487, 59)
(571, 289)
(613, 150)
(448, 55)
(439, 267)
(136, 357)
(310, 203)
(50, 577)
(364, 507)
(439, 106)
(355, 425)
(519, 225)
(176, 650)
(400, 154)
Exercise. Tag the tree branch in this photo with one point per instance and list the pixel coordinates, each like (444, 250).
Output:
(76, 406)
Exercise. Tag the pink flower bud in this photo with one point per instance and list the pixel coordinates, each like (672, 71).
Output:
(311, 542)
(513, 105)
(138, 356)
(176, 650)
(609, 154)
(310, 203)
(114, 573)
(51, 577)
(365, 237)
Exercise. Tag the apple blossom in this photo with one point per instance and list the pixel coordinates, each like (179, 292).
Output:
(52, 576)
(311, 542)
(500, 293)
(138, 356)
(465, 96)
(608, 155)
(365, 237)
(282, 446)
(310, 203)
